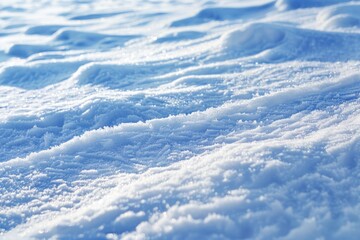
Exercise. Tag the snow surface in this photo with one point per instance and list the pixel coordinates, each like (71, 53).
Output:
(179, 119)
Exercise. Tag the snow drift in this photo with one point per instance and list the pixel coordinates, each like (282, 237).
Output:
(179, 119)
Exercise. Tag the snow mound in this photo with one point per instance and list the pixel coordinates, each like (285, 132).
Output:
(221, 14)
(346, 16)
(96, 16)
(24, 51)
(116, 76)
(44, 29)
(37, 75)
(254, 38)
(295, 4)
(273, 42)
(80, 39)
(180, 36)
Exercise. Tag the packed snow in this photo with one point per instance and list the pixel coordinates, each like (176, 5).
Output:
(179, 119)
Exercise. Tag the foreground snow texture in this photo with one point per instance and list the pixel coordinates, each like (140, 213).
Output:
(180, 119)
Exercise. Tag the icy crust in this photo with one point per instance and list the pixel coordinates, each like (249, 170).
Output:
(275, 184)
(267, 159)
(179, 119)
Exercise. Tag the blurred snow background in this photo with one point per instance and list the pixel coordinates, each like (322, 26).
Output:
(179, 119)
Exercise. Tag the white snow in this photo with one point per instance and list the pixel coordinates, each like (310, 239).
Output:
(179, 119)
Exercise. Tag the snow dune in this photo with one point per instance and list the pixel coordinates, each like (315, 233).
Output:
(179, 119)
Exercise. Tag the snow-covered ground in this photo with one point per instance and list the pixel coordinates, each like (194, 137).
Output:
(179, 119)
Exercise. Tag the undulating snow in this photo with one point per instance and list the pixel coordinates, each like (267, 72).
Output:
(178, 119)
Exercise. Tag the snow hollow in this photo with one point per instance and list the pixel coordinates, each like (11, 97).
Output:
(179, 119)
